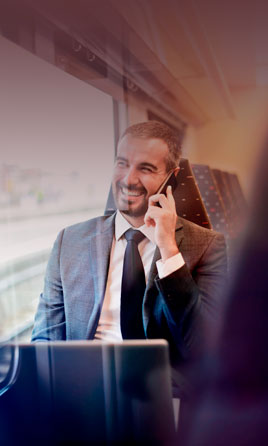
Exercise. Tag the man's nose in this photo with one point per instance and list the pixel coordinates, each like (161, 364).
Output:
(131, 176)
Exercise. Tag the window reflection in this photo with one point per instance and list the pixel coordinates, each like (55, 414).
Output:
(55, 171)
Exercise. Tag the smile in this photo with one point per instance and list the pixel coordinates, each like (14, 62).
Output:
(131, 193)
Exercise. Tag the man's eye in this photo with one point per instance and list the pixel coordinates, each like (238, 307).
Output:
(120, 164)
(146, 170)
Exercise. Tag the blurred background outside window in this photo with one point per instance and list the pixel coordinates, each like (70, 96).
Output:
(57, 138)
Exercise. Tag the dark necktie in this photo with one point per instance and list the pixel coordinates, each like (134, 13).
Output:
(133, 287)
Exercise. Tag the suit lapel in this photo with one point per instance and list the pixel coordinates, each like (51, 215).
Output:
(99, 253)
(179, 231)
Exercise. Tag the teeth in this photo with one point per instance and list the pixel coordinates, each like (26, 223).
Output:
(126, 191)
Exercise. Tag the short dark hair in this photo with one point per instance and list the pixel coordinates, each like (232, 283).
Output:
(156, 129)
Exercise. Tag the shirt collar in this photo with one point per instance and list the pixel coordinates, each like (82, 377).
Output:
(122, 225)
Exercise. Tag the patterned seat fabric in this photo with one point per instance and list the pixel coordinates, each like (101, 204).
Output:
(187, 196)
(211, 197)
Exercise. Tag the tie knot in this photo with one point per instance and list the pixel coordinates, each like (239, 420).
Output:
(134, 235)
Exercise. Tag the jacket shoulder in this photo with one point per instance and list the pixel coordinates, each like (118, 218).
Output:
(90, 227)
(192, 229)
(201, 245)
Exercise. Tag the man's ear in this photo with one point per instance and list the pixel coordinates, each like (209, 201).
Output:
(176, 171)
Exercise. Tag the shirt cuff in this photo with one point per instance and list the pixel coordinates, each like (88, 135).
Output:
(170, 265)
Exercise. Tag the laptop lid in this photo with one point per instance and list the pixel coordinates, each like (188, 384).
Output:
(89, 392)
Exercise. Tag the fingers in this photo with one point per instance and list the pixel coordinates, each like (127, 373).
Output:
(165, 201)
(152, 215)
(170, 197)
(148, 221)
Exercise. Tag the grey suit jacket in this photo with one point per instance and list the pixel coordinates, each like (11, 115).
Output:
(175, 308)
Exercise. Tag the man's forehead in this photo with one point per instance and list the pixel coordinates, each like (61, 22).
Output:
(136, 146)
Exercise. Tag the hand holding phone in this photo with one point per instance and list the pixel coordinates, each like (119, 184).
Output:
(163, 217)
(171, 180)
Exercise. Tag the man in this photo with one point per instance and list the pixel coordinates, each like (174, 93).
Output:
(184, 264)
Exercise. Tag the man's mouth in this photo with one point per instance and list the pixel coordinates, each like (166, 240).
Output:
(131, 192)
(131, 199)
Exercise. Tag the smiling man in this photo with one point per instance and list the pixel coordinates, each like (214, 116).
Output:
(140, 167)
(88, 294)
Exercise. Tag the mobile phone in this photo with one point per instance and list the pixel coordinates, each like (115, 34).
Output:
(171, 180)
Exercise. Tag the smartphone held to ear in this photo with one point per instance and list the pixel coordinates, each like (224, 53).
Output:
(171, 180)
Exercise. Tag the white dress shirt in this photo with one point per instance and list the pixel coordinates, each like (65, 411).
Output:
(109, 324)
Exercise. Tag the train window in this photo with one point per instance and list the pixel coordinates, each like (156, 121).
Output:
(57, 153)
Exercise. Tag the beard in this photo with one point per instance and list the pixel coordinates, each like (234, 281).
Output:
(139, 211)
(128, 206)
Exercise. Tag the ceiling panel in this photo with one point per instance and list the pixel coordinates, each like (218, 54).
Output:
(206, 93)
(194, 54)
(231, 29)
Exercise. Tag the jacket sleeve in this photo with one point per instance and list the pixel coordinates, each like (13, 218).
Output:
(192, 300)
(49, 322)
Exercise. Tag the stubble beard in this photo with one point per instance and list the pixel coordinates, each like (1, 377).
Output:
(140, 211)
(124, 206)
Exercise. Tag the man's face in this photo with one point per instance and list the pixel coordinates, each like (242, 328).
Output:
(139, 171)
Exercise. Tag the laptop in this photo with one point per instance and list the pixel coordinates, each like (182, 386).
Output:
(89, 393)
